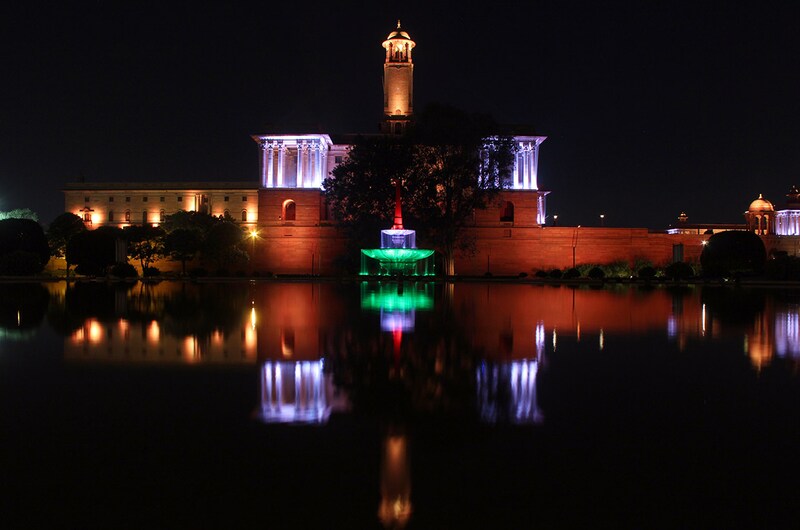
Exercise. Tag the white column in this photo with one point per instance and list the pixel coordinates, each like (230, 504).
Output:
(281, 163)
(302, 149)
(270, 163)
(526, 153)
(515, 171)
(263, 144)
(535, 173)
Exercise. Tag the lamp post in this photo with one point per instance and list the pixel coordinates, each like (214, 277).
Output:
(253, 236)
(602, 219)
(555, 220)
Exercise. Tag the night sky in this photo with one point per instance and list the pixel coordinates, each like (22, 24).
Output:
(649, 108)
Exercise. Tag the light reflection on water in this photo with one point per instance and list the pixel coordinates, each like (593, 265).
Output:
(482, 353)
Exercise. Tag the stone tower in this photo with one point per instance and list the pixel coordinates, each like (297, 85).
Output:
(398, 82)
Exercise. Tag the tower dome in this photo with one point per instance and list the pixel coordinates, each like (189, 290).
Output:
(398, 82)
(761, 205)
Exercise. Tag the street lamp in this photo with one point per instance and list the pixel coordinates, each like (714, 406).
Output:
(253, 236)
(602, 219)
(555, 220)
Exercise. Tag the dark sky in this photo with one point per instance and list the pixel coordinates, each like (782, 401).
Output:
(650, 108)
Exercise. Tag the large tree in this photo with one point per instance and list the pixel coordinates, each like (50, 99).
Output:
(450, 164)
(183, 244)
(23, 247)
(145, 243)
(61, 231)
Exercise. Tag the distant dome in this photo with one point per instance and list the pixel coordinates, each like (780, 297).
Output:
(398, 33)
(761, 205)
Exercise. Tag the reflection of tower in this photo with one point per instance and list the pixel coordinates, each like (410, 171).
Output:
(395, 507)
(398, 82)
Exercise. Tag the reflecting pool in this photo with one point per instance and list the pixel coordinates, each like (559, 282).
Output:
(418, 405)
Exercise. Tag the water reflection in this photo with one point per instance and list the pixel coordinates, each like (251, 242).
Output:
(395, 510)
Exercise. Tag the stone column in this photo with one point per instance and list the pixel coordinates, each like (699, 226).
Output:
(281, 163)
(302, 151)
(535, 172)
(515, 171)
(270, 164)
(264, 161)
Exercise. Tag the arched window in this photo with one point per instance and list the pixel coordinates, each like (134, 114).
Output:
(226, 214)
(111, 216)
(289, 210)
(244, 215)
(144, 217)
(87, 217)
(507, 213)
(161, 216)
(127, 216)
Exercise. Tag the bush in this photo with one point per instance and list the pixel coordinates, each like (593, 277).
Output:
(523, 274)
(123, 270)
(151, 271)
(541, 274)
(222, 272)
(20, 263)
(89, 268)
(572, 273)
(555, 274)
(647, 273)
(596, 273)
(679, 271)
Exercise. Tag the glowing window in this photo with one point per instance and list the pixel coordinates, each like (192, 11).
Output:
(111, 216)
(244, 215)
(127, 216)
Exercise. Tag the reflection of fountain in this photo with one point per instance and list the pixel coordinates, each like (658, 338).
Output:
(397, 305)
(398, 254)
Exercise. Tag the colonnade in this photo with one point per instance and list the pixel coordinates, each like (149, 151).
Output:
(787, 223)
(293, 162)
(526, 164)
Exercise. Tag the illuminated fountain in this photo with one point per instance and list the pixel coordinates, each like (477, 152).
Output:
(398, 255)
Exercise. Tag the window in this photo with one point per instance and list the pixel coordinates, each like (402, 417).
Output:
(244, 198)
(180, 199)
(338, 159)
(127, 216)
(86, 199)
(226, 214)
(244, 215)
(87, 217)
(507, 213)
(127, 199)
(205, 199)
(161, 215)
(111, 216)
(144, 217)
(144, 199)
(225, 198)
(111, 199)
(161, 198)
(289, 210)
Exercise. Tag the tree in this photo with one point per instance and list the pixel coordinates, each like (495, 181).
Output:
(20, 213)
(361, 190)
(145, 243)
(93, 251)
(183, 244)
(450, 164)
(23, 243)
(61, 231)
(460, 164)
(733, 252)
(223, 244)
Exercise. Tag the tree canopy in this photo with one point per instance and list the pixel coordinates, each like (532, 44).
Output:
(450, 163)
(733, 252)
(23, 247)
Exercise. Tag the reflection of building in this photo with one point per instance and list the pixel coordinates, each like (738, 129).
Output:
(394, 510)
(297, 392)
(143, 341)
(507, 391)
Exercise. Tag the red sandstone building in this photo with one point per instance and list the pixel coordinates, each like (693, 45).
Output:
(285, 209)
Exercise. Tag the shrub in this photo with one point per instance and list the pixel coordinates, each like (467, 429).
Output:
(572, 273)
(647, 273)
(89, 268)
(523, 274)
(151, 271)
(123, 270)
(679, 271)
(541, 274)
(596, 273)
(555, 274)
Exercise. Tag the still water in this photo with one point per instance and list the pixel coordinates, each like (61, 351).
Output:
(369, 405)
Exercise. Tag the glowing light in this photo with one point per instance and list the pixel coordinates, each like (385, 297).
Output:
(602, 339)
(190, 352)
(19, 319)
(704, 242)
(153, 332)
(555, 339)
(252, 318)
(95, 331)
(293, 392)
(703, 319)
